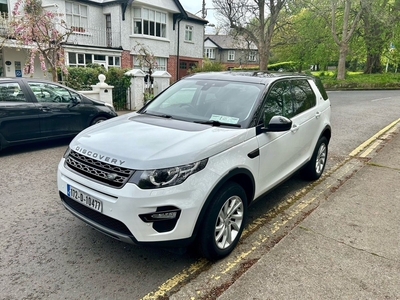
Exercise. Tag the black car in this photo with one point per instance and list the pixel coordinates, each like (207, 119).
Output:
(33, 110)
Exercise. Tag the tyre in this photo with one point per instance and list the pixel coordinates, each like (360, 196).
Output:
(98, 120)
(224, 222)
(315, 167)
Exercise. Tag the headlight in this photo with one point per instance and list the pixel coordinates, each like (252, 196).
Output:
(109, 105)
(66, 153)
(159, 178)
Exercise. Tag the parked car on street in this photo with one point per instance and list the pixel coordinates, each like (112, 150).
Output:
(35, 110)
(186, 166)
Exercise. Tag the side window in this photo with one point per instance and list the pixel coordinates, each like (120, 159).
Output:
(303, 96)
(11, 92)
(45, 92)
(278, 101)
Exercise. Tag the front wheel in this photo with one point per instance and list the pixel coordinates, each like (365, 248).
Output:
(314, 168)
(98, 120)
(224, 222)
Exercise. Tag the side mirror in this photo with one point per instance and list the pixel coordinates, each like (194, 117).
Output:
(278, 124)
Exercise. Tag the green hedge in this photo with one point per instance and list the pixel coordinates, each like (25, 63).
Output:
(82, 79)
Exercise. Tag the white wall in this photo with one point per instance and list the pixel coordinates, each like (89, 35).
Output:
(14, 55)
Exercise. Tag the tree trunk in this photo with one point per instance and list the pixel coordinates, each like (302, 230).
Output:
(373, 64)
(342, 62)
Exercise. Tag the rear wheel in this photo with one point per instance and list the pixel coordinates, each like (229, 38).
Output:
(314, 168)
(224, 222)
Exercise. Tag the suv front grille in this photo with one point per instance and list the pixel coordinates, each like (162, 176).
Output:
(98, 170)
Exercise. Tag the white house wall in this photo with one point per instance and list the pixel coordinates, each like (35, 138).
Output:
(192, 48)
(13, 57)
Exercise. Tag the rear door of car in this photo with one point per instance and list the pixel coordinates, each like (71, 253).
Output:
(58, 114)
(306, 119)
(19, 114)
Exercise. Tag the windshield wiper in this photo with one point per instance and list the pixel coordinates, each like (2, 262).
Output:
(218, 123)
(158, 115)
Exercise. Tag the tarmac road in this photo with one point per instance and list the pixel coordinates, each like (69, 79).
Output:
(46, 253)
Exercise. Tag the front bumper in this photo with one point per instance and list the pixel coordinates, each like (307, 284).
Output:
(127, 211)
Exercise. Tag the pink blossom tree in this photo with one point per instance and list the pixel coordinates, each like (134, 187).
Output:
(43, 32)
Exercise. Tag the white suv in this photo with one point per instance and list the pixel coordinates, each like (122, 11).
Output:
(187, 165)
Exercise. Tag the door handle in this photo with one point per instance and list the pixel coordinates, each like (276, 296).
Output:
(45, 109)
(318, 114)
(294, 128)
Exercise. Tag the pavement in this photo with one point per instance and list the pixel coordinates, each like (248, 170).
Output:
(347, 248)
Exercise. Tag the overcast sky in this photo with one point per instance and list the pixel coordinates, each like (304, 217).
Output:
(195, 6)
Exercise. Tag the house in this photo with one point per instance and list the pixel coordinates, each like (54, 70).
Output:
(232, 51)
(107, 32)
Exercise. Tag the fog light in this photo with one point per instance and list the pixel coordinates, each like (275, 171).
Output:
(165, 215)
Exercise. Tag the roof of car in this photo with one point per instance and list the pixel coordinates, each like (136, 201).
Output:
(262, 77)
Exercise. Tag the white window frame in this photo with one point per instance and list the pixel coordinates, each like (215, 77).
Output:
(231, 55)
(252, 56)
(209, 53)
(149, 22)
(189, 33)
(77, 16)
(162, 63)
(80, 60)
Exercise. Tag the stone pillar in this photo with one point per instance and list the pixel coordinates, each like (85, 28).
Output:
(137, 88)
(104, 90)
(161, 81)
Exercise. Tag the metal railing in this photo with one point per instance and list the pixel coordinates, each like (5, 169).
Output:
(100, 37)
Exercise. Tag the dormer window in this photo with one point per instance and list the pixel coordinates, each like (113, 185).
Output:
(149, 22)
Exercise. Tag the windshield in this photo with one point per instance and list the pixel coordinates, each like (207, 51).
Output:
(207, 101)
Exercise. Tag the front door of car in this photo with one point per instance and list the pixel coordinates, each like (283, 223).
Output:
(19, 116)
(277, 151)
(59, 115)
(281, 153)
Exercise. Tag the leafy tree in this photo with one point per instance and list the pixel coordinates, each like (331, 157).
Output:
(306, 41)
(378, 19)
(43, 32)
(256, 20)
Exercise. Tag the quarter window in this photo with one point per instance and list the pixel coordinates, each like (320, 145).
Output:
(149, 22)
(77, 16)
(11, 92)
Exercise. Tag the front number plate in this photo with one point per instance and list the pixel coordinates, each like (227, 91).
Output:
(84, 198)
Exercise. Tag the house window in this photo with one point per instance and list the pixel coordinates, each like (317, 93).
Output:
(231, 55)
(189, 33)
(82, 60)
(77, 16)
(149, 22)
(252, 56)
(209, 53)
(161, 64)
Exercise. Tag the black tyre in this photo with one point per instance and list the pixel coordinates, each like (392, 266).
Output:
(98, 120)
(315, 167)
(224, 222)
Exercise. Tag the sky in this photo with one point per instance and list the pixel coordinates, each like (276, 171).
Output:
(195, 6)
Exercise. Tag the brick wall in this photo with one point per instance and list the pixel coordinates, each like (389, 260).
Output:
(126, 60)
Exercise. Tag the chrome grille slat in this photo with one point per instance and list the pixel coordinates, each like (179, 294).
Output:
(98, 170)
